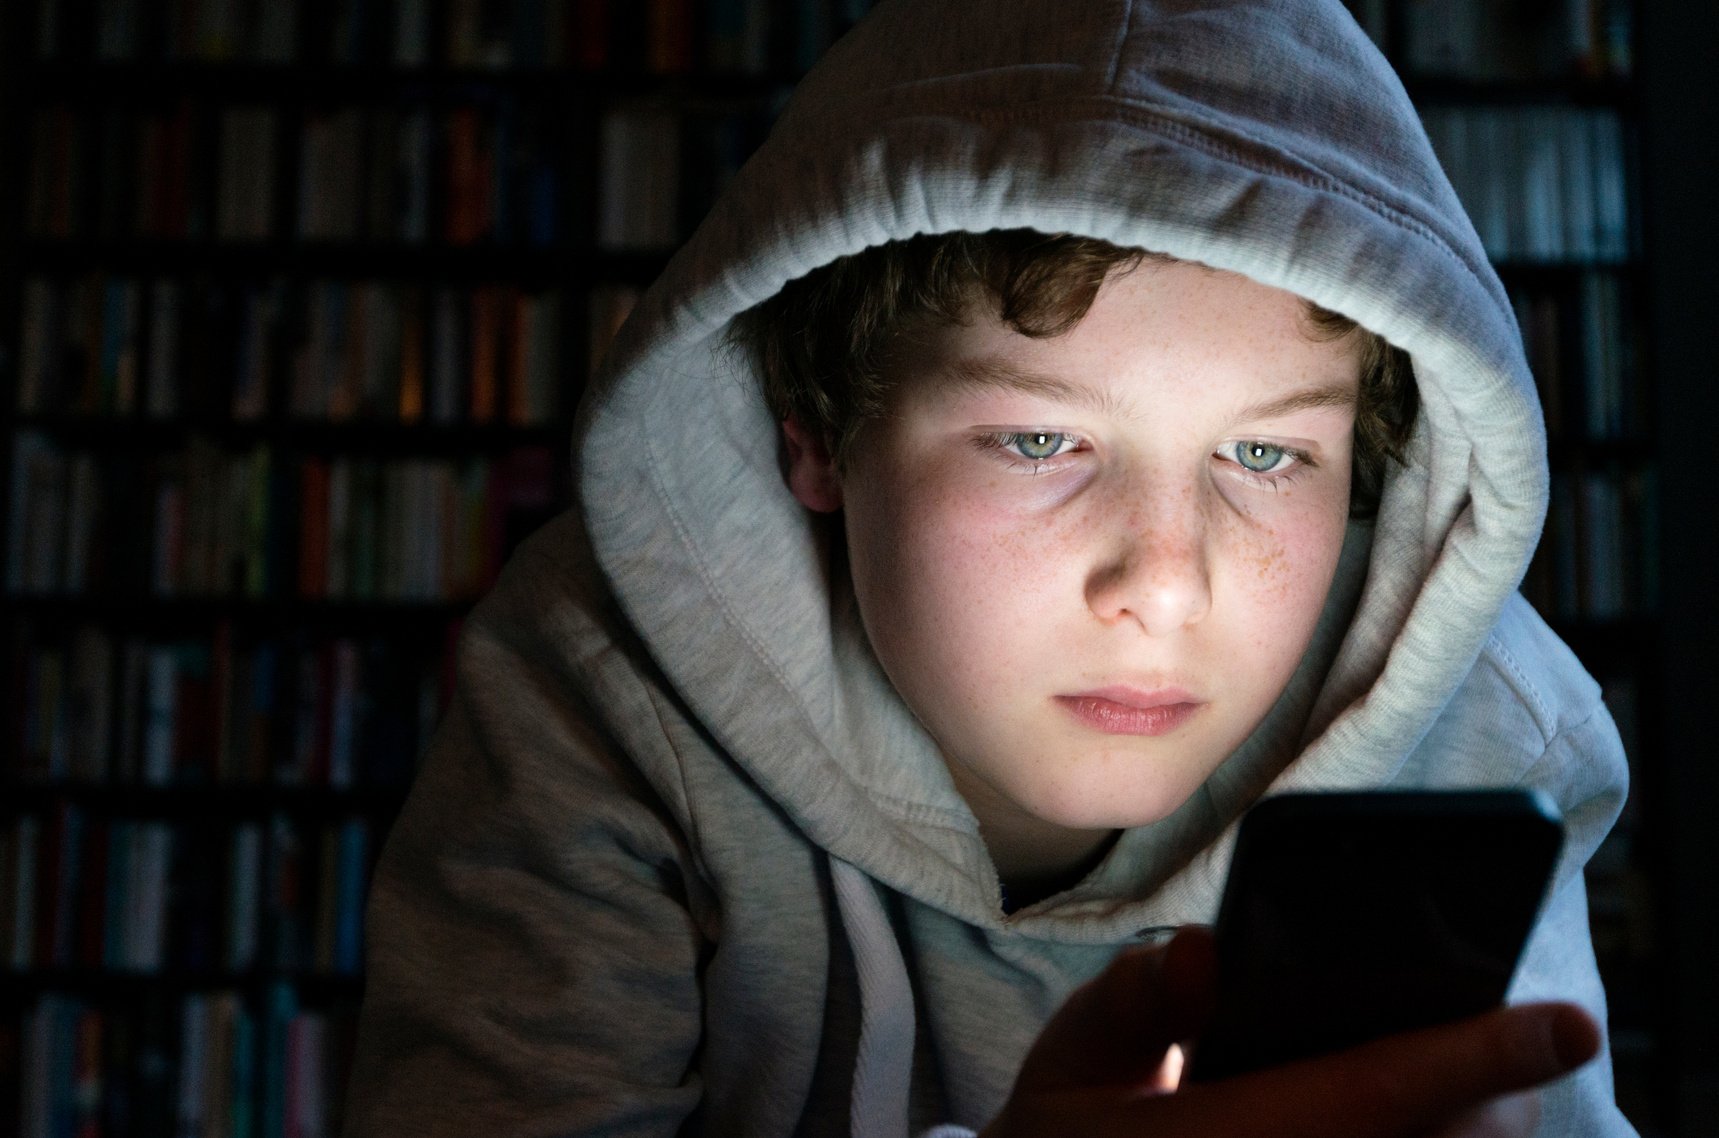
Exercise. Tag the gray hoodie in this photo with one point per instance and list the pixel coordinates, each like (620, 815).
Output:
(679, 859)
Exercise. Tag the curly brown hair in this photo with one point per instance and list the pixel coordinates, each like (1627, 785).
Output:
(826, 345)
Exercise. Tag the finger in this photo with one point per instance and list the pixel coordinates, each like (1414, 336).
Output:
(1116, 1029)
(1404, 1084)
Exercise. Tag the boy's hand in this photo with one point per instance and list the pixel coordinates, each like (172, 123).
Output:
(1106, 1064)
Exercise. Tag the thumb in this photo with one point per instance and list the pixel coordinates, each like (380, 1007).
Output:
(1115, 1029)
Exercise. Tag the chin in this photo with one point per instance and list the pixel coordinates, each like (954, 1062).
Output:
(1078, 808)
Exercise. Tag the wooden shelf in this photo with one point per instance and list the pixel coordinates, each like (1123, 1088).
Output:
(216, 804)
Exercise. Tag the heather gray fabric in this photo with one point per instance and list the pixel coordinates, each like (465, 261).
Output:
(679, 857)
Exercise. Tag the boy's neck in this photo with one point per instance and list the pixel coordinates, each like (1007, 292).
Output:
(1023, 889)
(1032, 856)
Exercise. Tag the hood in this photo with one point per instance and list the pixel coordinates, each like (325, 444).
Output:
(1265, 137)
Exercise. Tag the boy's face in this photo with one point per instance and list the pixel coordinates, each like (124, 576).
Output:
(1090, 563)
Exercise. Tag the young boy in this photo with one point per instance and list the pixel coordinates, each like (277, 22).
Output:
(949, 573)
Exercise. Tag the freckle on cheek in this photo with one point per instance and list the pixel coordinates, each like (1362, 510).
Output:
(1270, 556)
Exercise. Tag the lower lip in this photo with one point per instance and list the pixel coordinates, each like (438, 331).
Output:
(1114, 718)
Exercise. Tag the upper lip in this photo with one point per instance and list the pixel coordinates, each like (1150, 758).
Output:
(1130, 696)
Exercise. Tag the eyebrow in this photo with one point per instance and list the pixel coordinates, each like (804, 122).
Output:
(1309, 399)
(988, 374)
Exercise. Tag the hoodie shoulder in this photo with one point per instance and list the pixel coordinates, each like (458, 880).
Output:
(1525, 656)
(1527, 698)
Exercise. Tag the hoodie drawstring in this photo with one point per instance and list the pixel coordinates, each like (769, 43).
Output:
(884, 1065)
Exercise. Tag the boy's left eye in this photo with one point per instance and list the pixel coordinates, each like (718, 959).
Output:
(1257, 457)
(1037, 445)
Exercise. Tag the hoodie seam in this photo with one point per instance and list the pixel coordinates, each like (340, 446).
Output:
(1300, 171)
(1501, 655)
(696, 836)
(1116, 49)
(1224, 147)
(1552, 742)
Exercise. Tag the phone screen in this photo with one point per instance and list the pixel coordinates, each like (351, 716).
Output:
(1348, 916)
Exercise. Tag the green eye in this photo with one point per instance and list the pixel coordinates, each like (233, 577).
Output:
(1260, 458)
(1037, 445)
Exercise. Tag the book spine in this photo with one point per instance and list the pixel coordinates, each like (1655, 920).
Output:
(155, 860)
(38, 356)
(354, 871)
(26, 863)
(244, 901)
(193, 1060)
(118, 920)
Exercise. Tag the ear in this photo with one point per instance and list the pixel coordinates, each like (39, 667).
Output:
(810, 473)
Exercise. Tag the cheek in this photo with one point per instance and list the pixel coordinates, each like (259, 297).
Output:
(947, 584)
(1282, 571)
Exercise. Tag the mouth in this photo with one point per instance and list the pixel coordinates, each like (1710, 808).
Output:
(1132, 711)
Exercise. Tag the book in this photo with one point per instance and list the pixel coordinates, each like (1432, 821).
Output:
(245, 178)
(87, 1073)
(332, 152)
(638, 170)
(468, 176)
(35, 541)
(244, 900)
(352, 875)
(24, 861)
(487, 319)
(314, 528)
(117, 917)
(90, 704)
(194, 1048)
(161, 380)
(39, 333)
(161, 690)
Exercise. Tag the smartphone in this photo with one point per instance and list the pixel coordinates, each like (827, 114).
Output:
(1351, 915)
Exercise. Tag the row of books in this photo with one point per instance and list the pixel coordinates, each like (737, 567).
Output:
(1580, 336)
(664, 36)
(1541, 183)
(92, 892)
(334, 350)
(100, 709)
(262, 523)
(199, 1065)
(1493, 40)
(1596, 561)
(100, 344)
(493, 169)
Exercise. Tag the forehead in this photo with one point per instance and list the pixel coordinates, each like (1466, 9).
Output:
(1161, 331)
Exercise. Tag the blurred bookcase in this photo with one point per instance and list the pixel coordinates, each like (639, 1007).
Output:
(296, 302)
(1533, 107)
(298, 297)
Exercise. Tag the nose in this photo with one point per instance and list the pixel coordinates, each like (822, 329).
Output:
(1154, 567)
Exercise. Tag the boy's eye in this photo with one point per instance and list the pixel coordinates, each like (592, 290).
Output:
(1037, 445)
(1258, 457)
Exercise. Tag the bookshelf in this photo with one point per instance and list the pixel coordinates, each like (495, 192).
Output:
(1537, 111)
(1681, 231)
(297, 299)
(294, 302)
